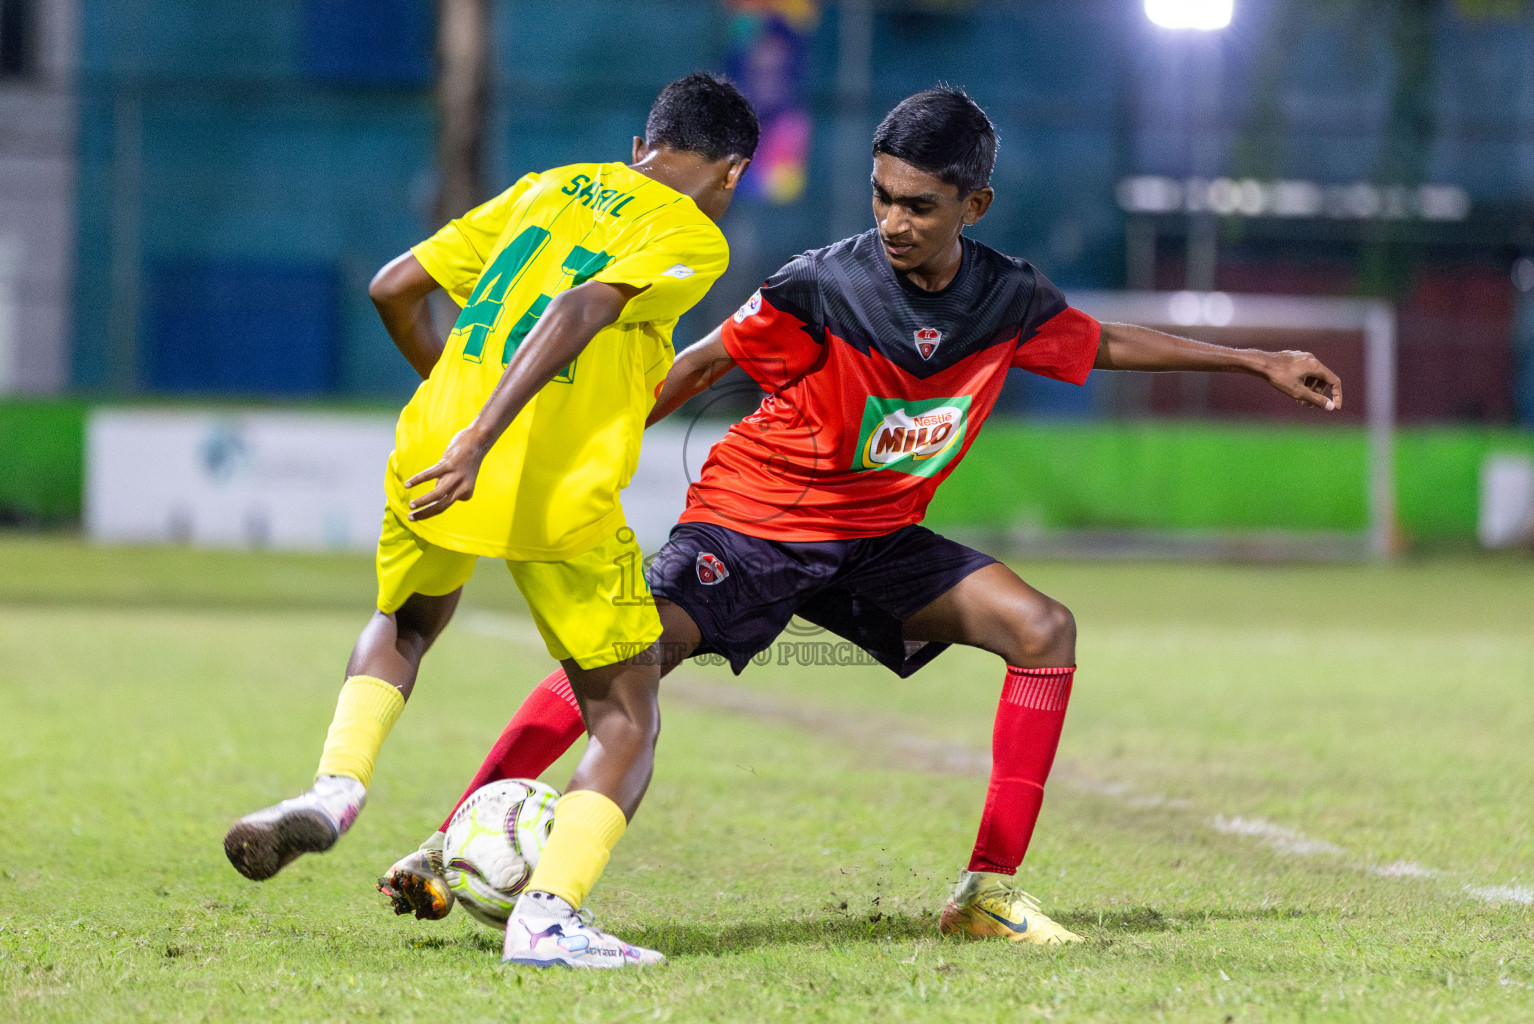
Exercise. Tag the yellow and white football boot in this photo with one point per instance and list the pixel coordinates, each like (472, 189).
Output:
(987, 906)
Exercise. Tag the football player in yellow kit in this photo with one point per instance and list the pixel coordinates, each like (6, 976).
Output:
(516, 446)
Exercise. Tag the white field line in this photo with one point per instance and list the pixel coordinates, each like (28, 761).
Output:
(1289, 841)
(1501, 893)
(909, 751)
(1403, 869)
(1279, 837)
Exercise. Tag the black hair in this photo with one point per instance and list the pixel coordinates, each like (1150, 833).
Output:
(703, 113)
(943, 132)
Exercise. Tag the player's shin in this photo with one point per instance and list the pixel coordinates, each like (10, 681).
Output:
(985, 903)
(620, 705)
(547, 927)
(587, 825)
(1029, 719)
(366, 711)
(546, 725)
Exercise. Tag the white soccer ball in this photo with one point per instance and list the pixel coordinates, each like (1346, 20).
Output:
(493, 843)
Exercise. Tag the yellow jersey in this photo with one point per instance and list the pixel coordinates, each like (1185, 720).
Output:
(548, 489)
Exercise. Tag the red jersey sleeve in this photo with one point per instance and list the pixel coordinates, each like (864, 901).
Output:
(778, 335)
(1054, 339)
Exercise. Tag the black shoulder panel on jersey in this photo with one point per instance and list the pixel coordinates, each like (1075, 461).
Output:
(867, 306)
(1044, 305)
(794, 290)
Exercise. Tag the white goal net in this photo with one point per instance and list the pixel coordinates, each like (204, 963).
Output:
(1361, 332)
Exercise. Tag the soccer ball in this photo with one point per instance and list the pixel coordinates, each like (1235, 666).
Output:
(493, 842)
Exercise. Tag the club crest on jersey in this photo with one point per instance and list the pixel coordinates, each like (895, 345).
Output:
(711, 569)
(751, 308)
(927, 341)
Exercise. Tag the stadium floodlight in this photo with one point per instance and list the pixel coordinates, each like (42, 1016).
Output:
(1207, 15)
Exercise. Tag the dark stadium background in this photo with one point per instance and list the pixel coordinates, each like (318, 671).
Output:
(199, 192)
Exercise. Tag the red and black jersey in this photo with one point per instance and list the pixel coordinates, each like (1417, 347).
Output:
(875, 388)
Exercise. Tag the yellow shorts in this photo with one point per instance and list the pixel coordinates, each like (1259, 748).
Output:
(594, 609)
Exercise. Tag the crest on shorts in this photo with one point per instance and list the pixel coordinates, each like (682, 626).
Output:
(710, 568)
(927, 341)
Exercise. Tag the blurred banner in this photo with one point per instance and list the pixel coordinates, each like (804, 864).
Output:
(768, 56)
(1507, 500)
(300, 481)
(289, 479)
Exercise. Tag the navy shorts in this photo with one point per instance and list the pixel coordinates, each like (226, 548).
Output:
(742, 591)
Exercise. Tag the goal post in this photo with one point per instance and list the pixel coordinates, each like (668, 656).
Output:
(1373, 319)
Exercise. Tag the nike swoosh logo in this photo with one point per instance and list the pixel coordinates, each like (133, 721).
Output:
(1019, 928)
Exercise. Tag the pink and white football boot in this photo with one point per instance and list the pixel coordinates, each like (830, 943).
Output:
(545, 931)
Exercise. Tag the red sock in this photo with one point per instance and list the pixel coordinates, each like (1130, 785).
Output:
(1028, 723)
(546, 725)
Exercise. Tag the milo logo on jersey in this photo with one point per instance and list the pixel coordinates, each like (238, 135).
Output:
(919, 438)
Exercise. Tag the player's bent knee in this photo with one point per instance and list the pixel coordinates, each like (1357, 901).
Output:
(423, 617)
(1046, 633)
(1062, 625)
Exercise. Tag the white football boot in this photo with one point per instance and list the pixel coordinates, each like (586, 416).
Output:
(261, 844)
(545, 931)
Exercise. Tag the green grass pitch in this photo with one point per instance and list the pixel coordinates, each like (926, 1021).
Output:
(1297, 793)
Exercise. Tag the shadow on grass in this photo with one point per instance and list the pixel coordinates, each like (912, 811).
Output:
(1120, 919)
(480, 940)
(1136, 920)
(840, 930)
(835, 930)
(720, 939)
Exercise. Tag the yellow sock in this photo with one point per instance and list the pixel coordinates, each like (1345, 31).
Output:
(587, 826)
(365, 712)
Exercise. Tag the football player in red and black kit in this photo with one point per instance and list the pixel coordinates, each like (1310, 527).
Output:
(881, 356)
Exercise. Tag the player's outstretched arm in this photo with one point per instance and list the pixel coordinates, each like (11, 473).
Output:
(565, 329)
(399, 292)
(1299, 375)
(695, 369)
